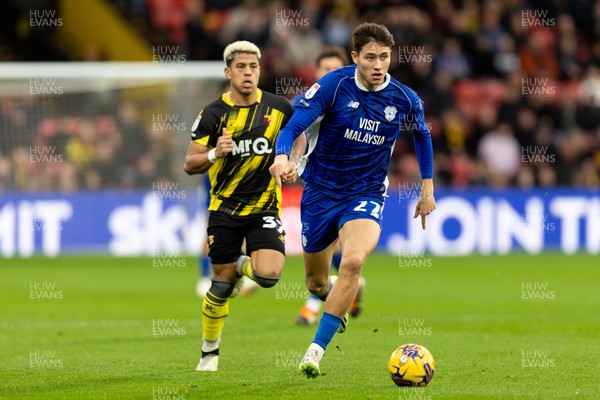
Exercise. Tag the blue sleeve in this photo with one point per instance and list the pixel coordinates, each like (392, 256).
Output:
(422, 138)
(307, 109)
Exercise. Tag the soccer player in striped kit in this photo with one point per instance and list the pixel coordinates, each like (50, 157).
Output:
(232, 140)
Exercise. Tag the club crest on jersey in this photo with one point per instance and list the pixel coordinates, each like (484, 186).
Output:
(196, 123)
(267, 118)
(311, 92)
(390, 113)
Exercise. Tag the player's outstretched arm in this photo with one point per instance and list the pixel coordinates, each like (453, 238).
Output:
(424, 150)
(199, 158)
(314, 103)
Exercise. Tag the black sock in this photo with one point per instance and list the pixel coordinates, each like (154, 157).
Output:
(215, 352)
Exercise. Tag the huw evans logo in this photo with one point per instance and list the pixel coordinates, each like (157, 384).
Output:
(537, 155)
(536, 359)
(291, 291)
(408, 259)
(539, 221)
(167, 54)
(44, 155)
(167, 123)
(45, 87)
(167, 327)
(414, 122)
(44, 359)
(44, 291)
(536, 291)
(287, 358)
(537, 19)
(409, 191)
(167, 260)
(413, 326)
(537, 87)
(168, 190)
(44, 19)
(167, 393)
(40, 224)
(289, 87)
(413, 55)
(290, 19)
(409, 393)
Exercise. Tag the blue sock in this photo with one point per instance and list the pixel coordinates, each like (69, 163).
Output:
(312, 296)
(324, 297)
(327, 328)
(336, 260)
(204, 266)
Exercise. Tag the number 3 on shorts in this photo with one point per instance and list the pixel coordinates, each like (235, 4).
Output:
(273, 222)
(375, 208)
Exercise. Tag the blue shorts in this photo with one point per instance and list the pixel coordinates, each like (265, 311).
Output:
(322, 216)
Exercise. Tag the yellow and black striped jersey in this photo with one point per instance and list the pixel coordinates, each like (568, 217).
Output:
(240, 182)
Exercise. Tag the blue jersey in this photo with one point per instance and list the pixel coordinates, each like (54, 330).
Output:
(351, 132)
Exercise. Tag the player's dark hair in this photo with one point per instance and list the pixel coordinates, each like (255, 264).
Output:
(368, 32)
(336, 52)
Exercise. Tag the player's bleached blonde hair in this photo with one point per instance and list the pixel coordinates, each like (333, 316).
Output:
(241, 46)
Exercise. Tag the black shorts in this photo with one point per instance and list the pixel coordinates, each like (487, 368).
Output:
(226, 234)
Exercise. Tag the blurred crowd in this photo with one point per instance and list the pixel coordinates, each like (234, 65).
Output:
(78, 150)
(511, 88)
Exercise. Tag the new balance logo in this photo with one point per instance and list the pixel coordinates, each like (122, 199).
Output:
(353, 104)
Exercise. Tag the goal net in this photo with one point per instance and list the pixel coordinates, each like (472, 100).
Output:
(93, 126)
(91, 159)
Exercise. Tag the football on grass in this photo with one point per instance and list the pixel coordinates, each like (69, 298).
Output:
(411, 365)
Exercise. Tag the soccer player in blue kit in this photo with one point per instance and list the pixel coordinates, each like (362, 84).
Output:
(362, 110)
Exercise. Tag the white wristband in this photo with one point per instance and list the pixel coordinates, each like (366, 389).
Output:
(212, 156)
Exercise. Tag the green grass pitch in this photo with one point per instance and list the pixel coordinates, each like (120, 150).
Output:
(499, 327)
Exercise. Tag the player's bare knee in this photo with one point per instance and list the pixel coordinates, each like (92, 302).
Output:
(268, 271)
(352, 265)
(317, 285)
(266, 281)
(267, 266)
(221, 289)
